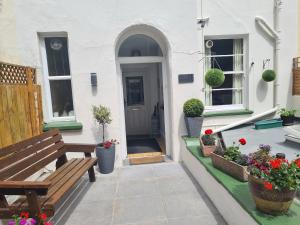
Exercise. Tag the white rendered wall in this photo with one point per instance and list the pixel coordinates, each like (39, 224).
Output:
(237, 18)
(93, 29)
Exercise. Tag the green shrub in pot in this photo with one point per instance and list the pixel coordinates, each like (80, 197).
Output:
(105, 151)
(193, 110)
(287, 116)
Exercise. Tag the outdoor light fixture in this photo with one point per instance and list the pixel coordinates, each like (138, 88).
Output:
(203, 21)
(94, 79)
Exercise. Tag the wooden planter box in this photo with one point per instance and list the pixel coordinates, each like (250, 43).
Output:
(207, 149)
(233, 169)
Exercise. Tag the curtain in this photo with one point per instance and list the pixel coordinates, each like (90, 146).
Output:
(237, 66)
(208, 89)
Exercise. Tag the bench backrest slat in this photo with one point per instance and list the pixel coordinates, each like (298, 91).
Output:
(20, 163)
(23, 153)
(26, 143)
(36, 167)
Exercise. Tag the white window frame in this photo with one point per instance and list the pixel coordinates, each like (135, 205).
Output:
(47, 78)
(217, 108)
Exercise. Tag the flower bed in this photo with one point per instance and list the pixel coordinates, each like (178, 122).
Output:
(239, 191)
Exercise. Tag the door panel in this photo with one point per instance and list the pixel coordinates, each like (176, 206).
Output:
(136, 100)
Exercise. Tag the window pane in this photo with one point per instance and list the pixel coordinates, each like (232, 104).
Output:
(135, 91)
(217, 96)
(57, 56)
(139, 45)
(61, 95)
(228, 63)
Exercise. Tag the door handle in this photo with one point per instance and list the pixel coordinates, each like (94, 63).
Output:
(135, 109)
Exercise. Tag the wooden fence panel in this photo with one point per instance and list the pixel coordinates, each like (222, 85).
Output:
(296, 76)
(21, 114)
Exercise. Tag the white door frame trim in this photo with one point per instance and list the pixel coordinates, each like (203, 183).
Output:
(166, 95)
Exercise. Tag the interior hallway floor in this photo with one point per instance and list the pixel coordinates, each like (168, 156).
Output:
(152, 194)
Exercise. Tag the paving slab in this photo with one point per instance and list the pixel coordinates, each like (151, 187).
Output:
(153, 194)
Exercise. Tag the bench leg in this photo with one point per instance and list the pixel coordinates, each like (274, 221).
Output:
(34, 205)
(92, 176)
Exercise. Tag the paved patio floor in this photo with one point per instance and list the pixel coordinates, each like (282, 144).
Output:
(154, 194)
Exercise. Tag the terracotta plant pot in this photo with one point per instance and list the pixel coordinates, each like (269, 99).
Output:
(207, 149)
(233, 169)
(272, 202)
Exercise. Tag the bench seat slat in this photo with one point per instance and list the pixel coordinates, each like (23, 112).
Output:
(60, 188)
(53, 177)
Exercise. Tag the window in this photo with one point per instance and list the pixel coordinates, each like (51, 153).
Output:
(139, 45)
(135, 91)
(227, 55)
(58, 77)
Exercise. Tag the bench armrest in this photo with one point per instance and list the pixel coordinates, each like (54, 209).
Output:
(21, 187)
(87, 148)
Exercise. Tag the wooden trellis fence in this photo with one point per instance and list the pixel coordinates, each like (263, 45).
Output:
(21, 113)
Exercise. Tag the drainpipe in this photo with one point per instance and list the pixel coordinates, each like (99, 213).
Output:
(274, 34)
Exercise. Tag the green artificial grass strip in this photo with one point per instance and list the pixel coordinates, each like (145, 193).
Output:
(63, 125)
(228, 113)
(240, 191)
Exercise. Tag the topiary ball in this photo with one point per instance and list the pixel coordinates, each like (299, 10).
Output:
(214, 77)
(193, 108)
(269, 75)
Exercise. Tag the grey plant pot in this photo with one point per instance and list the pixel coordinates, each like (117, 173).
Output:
(193, 125)
(106, 159)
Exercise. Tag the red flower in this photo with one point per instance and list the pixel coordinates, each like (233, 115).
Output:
(242, 141)
(24, 215)
(297, 161)
(107, 144)
(276, 163)
(268, 185)
(47, 223)
(43, 216)
(208, 131)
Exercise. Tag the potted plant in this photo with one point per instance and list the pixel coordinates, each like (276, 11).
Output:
(105, 151)
(208, 142)
(269, 75)
(193, 109)
(273, 182)
(287, 116)
(232, 161)
(214, 77)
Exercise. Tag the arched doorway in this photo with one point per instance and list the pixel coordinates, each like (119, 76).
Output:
(142, 64)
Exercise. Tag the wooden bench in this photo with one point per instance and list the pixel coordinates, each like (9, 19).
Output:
(20, 161)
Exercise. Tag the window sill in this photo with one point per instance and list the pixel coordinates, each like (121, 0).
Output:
(63, 125)
(227, 113)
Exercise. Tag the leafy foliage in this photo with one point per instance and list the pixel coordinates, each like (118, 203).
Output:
(234, 154)
(208, 139)
(193, 108)
(269, 75)
(214, 77)
(287, 113)
(277, 173)
(102, 115)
